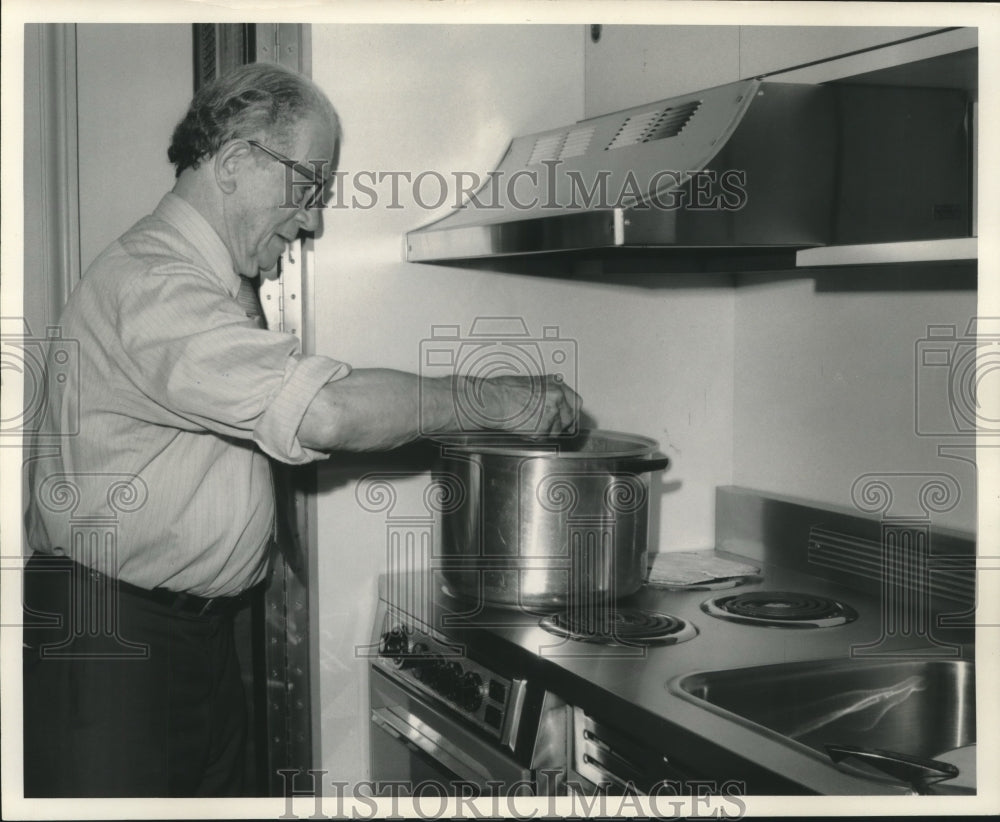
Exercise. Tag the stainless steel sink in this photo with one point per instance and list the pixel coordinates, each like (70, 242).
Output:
(920, 708)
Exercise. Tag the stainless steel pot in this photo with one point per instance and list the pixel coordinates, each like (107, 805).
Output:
(545, 524)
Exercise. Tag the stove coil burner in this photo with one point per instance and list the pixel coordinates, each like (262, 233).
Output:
(782, 608)
(621, 626)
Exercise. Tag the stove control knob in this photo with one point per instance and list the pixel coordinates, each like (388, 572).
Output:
(416, 656)
(471, 696)
(435, 674)
(394, 644)
(425, 664)
(449, 680)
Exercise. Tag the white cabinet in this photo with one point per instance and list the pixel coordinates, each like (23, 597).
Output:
(944, 59)
(631, 65)
(764, 49)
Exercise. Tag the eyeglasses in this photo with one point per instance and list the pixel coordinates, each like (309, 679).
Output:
(304, 194)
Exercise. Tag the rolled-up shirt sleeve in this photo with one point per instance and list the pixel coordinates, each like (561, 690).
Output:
(277, 431)
(192, 350)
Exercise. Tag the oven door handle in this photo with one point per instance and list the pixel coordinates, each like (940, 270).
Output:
(602, 769)
(412, 733)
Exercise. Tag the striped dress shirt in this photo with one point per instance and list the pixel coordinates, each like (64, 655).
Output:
(152, 462)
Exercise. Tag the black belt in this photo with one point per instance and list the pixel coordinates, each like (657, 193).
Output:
(175, 600)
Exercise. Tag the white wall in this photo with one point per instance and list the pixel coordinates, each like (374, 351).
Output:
(827, 386)
(634, 65)
(656, 361)
(135, 83)
(411, 98)
(42, 285)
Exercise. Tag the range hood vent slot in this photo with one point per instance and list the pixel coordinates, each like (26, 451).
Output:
(562, 146)
(577, 143)
(546, 148)
(658, 124)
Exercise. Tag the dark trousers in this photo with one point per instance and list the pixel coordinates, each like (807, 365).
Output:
(125, 697)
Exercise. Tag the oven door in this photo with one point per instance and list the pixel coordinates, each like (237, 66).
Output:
(413, 741)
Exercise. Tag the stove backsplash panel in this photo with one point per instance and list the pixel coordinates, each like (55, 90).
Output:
(854, 548)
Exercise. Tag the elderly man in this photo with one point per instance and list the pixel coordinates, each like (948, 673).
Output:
(157, 503)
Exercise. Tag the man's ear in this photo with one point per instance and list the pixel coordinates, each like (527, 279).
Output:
(228, 162)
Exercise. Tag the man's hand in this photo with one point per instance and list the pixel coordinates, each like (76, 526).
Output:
(528, 405)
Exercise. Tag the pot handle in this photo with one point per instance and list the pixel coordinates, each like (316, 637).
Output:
(917, 772)
(642, 465)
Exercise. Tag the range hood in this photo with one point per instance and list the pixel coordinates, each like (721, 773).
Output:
(743, 167)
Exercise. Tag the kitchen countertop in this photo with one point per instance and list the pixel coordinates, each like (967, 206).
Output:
(636, 689)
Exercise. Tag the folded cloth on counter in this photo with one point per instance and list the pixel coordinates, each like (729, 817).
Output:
(688, 568)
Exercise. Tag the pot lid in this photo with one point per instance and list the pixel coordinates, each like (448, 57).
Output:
(585, 444)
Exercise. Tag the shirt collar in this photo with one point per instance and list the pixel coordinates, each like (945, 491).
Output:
(188, 220)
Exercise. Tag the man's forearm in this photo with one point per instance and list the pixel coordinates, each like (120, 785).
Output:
(374, 409)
